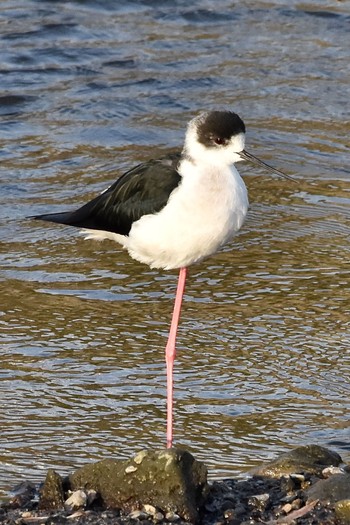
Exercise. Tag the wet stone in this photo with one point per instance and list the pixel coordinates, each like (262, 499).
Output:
(170, 480)
(330, 471)
(51, 494)
(296, 503)
(331, 490)
(342, 511)
(76, 500)
(138, 515)
(298, 481)
(150, 509)
(260, 501)
(310, 458)
(22, 495)
(172, 516)
(287, 508)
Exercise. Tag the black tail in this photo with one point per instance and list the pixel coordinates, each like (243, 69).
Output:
(81, 218)
(61, 218)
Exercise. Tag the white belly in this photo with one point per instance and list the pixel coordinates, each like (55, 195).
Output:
(202, 214)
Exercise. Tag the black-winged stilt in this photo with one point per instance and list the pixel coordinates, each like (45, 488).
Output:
(173, 212)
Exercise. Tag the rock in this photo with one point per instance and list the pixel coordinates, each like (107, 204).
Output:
(170, 480)
(297, 478)
(259, 501)
(150, 509)
(287, 508)
(51, 494)
(229, 514)
(138, 515)
(172, 516)
(296, 503)
(22, 495)
(331, 490)
(330, 471)
(310, 458)
(76, 501)
(91, 497)
(342, 511)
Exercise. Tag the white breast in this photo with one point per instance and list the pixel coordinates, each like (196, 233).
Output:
(202, 214)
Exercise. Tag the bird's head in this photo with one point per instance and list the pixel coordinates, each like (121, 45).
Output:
(218, 138)
(215, 137)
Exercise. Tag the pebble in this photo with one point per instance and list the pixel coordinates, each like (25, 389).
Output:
(296, 504)
(229, 514)
(150, 509)
(140, 457)
(130, 468)
(91, 496)
(32, 520)
(287, 508)
(172, 516)
(298, 477)
(288, 499)
(330, 471)
(297, 480)
(259, 501)
(138, 515)
(76, 501)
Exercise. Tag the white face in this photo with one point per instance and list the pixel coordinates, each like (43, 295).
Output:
(219, 154)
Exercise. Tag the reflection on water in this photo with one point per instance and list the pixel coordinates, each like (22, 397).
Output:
(263, 353)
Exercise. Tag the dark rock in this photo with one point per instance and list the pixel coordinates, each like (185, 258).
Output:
(331, 490)
(51, 494)
(171, 480)
(259, 501)
(310, 458)
(22, 495)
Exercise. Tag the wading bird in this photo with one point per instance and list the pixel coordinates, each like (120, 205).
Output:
(175, 211)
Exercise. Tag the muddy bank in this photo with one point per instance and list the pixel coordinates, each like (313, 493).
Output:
(308, 485)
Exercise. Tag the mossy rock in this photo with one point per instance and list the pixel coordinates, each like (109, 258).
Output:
(51, 493)
(171, 480)
(342, 511)
(309, 458)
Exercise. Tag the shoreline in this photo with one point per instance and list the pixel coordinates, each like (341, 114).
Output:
(308, 485)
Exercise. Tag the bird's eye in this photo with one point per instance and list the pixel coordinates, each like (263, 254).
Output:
(219, 141)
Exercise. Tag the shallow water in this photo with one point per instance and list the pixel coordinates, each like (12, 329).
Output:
(91, 88)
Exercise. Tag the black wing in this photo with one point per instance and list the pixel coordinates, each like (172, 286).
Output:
(142, 190)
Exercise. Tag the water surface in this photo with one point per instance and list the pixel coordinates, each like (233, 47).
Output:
(88, 90)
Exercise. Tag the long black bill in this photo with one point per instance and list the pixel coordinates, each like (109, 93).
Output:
(254, 160)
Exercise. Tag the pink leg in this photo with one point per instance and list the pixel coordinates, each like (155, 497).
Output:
(170, 352)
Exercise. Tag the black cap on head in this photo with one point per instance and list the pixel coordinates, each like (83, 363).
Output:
(217, 127)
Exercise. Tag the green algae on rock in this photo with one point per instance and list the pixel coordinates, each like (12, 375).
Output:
(342, 511)
(171, 480)
(52, 494)
(309, 458)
